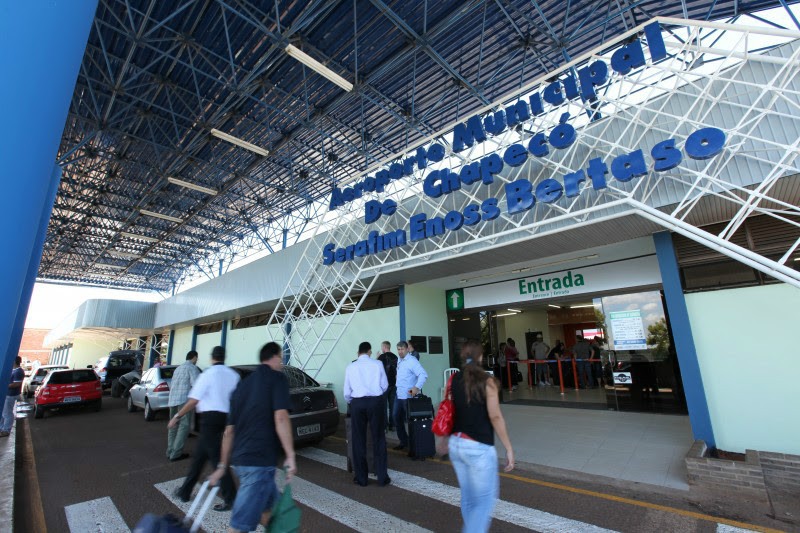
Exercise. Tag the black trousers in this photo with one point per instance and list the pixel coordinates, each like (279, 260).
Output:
(209, 448)
(391, 395)
(369, 411)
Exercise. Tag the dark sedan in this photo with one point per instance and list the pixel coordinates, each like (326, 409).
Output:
(314, 412)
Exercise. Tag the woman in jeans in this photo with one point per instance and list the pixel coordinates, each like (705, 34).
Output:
(471, 445)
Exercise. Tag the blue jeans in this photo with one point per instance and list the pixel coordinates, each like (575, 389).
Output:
(257, 494)
(476, 469)
(400, 420)
(7, 422)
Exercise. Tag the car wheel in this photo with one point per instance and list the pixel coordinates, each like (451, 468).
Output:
(131, 407)
(38, 412)
(149, 414)
(116, 389)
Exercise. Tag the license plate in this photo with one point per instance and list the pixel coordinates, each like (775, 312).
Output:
(70, 399)
(307, 430)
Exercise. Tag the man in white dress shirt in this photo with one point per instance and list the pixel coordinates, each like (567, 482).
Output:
(211, 397)
(365, 385)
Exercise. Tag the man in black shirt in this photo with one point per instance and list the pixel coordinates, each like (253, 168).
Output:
(258, 425)
(389, 361)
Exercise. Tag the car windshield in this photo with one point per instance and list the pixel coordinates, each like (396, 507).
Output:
(166, 372)
(297, 378)
(41, 372)
(120, 361)
(72, 376)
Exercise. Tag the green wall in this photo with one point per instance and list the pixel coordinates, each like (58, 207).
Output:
(750, 365)
(374, 326)
(86, 352)
(426, 315)
(180, 345)
(206, 343)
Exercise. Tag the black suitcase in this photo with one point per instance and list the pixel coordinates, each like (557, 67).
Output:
(420, 406)
(421, 443)
(348, 427)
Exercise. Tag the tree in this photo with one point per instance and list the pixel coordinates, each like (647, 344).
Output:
(658, 339)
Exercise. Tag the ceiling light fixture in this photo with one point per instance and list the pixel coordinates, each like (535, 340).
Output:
(580, 306)
(515, 310)
(238, 142)
(137, 236)
(161, 216)
(465, 318)
(194, 187)
(124, 255)
(113, 267)
(318, 67)
(556, 306)
(505, 314)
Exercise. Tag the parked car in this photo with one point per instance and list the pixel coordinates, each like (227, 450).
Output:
(314, 413)
(151, 393)
(68, 388)
(32, 382)
(117, 363)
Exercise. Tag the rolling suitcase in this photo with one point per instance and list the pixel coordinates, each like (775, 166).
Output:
(420, 406)
(151, 523)
(421, 443)
(348, 426)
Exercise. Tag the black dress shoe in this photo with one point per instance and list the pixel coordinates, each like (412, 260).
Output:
(385, 482)
(222, 507)
(400, 447)
(181, 496)
(359, 483)
(181, 457)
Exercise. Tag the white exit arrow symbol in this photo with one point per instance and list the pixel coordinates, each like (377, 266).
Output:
(454, 297)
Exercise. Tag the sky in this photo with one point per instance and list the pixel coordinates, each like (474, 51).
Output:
(51, 303)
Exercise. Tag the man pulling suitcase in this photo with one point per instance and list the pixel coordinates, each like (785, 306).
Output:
(410, 379)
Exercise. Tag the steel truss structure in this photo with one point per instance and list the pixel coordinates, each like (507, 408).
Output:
(158, 76)
(741, 79)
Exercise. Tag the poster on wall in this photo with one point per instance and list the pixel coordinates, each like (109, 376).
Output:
(628, 330)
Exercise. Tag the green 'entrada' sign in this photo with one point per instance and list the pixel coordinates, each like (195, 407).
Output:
(558, 285)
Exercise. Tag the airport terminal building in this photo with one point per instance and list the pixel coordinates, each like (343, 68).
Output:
(644, 196)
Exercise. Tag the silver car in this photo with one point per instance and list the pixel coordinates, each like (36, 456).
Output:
(152, 392)
(32, 382)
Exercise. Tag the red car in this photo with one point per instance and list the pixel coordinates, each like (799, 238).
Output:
(68, 388)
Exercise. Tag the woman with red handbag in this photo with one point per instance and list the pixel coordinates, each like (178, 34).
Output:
(471, 415)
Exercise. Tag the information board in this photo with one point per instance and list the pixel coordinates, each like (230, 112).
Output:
(627, 330)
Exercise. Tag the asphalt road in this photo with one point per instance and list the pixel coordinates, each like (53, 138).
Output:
(82, 456)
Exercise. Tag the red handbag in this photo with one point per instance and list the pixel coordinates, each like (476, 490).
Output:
(445, 416)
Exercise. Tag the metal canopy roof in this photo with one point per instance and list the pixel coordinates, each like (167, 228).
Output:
(157, 77)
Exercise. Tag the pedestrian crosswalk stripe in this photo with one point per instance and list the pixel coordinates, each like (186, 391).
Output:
(723, 528)
(512, 513)
(353, 514)
(95, 516)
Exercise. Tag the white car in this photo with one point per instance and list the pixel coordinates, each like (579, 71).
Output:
(32, 382)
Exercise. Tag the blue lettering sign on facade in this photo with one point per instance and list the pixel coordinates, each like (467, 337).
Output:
(521, 195)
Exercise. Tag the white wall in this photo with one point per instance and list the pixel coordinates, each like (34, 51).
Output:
(86, 352)
(181, 345)
(750, 365)
(426, 315)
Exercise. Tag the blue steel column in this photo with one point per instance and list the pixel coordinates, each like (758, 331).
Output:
(684, 342)
(194, 337)
(40, 54)
(224, 337)
(170, 344)
(403, 313)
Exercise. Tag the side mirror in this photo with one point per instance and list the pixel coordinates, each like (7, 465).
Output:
(89, 366)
